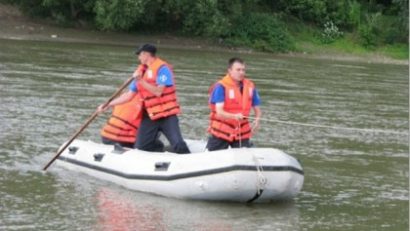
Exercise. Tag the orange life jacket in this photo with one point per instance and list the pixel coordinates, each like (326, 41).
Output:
(123, 124)
(158, 106)
(235, 102)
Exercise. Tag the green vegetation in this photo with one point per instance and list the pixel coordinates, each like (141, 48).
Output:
(355, 26)
(308, 39)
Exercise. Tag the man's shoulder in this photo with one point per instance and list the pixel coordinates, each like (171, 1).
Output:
(164, 68)
(217, 87)
(165, 76)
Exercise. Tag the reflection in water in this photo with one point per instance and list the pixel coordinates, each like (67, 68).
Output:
(127, 210)
(116, 212)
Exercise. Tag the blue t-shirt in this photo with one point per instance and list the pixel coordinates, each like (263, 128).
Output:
(218, 95)
(164, 77)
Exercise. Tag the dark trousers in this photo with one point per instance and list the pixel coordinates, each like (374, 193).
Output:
(112, 142)
(215, 143)
(169, 126)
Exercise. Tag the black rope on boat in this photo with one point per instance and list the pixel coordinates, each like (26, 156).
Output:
(257, 195)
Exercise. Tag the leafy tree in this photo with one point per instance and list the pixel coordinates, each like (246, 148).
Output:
(253, 23)
(204, 18)
(401, 9)
(118, 14)
(65, 12)
(261, 31)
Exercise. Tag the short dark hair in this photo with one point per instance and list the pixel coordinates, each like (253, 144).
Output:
(235, 60)
(147, 48)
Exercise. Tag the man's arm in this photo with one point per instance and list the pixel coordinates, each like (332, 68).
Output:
(258, 114)
(124, 98)
(224, 114)
(256, 101)
(156, 90)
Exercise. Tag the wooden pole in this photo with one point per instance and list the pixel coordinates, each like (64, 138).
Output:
(90, 119)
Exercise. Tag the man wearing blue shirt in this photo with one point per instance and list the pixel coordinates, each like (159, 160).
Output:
(231, 100)
(164, 78)
(156, 87)
(218, 95)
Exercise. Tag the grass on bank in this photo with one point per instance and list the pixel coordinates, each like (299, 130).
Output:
(347, 46)
(307, 40)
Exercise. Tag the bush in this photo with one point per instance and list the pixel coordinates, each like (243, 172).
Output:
(33, 8)
(330, 33)
(204, 18)
(341, 13)
(369, 30)
(118, 14)
(261, 31)
(367, 36)
(353, 12)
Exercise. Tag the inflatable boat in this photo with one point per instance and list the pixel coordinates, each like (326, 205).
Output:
(240, 174)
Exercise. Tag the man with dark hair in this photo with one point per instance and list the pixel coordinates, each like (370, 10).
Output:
(156, 88)
(231, 100)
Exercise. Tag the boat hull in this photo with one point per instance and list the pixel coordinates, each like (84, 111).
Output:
(242, 175)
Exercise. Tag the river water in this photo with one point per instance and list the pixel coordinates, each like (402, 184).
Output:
(347, 122)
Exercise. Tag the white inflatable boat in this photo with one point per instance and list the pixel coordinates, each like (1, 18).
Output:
(243, 175)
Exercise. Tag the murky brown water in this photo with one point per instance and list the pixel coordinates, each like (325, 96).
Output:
(355, 178)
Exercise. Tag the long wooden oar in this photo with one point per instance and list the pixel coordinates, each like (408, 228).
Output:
(92, 117)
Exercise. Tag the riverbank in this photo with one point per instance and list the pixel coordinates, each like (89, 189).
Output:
(14, 25)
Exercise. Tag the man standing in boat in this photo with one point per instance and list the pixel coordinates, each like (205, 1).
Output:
(230, 102)
(156, 87)
(122, 127)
